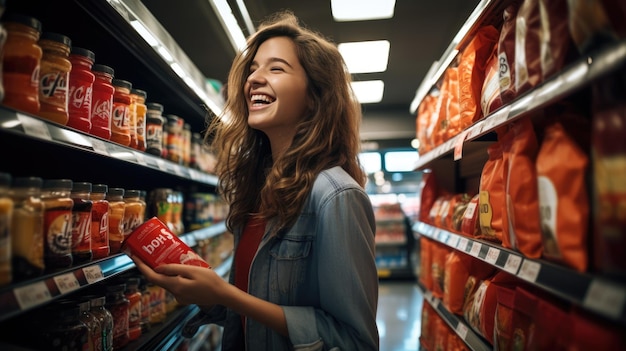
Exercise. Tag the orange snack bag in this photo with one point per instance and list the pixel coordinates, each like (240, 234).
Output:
(454, 125)
(527, 51)
(490, 93)
(491, 195)
(506, 54)
(457, 269)
(472, 67)
(428, 194)
(563, 200)
(425, 273)
(439, 256)
(521, 204)
(469, 223)
(424, 115)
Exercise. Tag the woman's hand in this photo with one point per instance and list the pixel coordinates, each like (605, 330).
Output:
(189, 284)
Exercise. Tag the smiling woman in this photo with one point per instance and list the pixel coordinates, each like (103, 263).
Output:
(304, 274)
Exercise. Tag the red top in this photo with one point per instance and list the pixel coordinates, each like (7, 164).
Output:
(246, 249)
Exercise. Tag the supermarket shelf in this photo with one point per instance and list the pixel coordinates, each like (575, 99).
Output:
(465, 332)
(594, 293)
(571, 79)
(22, 124)
(20, 297)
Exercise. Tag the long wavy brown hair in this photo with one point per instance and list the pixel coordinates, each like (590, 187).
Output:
(251, 182)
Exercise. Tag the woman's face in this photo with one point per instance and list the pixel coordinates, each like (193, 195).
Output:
(276, 90)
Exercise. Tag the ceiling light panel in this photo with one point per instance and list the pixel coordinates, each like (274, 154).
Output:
(369, 91)
(362, 10)
(365, 56)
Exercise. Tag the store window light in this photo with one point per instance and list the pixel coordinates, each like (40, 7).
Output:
(369, 91)
(362, 10)
(365, 56)
(401, 161)
(371, 161)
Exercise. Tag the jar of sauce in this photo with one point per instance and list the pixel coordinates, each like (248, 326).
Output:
(57, 222)
(21, 62)
(99, 221)
(120, 122)
(102, 101)
(138, 98)
(6, 213)
(81, 86)
(117, 206)
(154, 128)
(54, 77)
(81, 222)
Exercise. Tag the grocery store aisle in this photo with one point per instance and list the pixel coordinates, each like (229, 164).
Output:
(399, 315)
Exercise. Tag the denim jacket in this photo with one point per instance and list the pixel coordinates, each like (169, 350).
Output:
(321, 271)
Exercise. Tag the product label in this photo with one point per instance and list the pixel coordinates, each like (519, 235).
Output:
(121, 119)
(80, 98)
(81, 231)
(59, 231)
(101, 112)
(53, 89)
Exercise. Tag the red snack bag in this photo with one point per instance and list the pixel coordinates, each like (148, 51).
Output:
(469, 223)
(491, 195)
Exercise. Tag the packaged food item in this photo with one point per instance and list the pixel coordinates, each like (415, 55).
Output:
(155, 244)
(138, 101)
(65, 328)
(118, 305)
(21, 63)
(133, 295)
(491, 195)
(134, 211)
(506, 54)
(120, 117)
(104, 316)
(27, 228)
(54, 77)
(154, 128)
(99, 221)
(94, 327)
(81, 89)
(117, 206)
(81, 222)
(57, 222)
(102, 101)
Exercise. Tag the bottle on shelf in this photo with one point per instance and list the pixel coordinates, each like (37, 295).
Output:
(133, 295)
(138, 98)
(81, 222)
(6, 213)
(115, 197)
(134, 211)
(27, 228)
(120, 117)
(54, 76)
(21, 62)
(57, 222)
(118, 305)
(99, 221)
(81, 89)
(104, 316)
(154, 128)
(102, 101)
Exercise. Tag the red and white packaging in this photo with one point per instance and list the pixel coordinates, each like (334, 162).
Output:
(155, 244)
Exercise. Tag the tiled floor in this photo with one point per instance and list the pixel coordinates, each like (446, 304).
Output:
(399, 315)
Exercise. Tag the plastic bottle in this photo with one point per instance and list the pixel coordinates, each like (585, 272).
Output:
(6, 213)
(102, 101)
(134, 211)
(57, 222)
(118, 305)
(138, 98)
(154, 128)
(54, 77)
(27, 228)
(81, 86)
(99, 221)
(120, 117)
(105, 317)
(81, 222)
(115, 196)
(134, 307)
(21, 62)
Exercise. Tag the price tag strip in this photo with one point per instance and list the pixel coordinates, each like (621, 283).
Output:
(605, 298)
(32, 295)
(34, 127)
(66, 283)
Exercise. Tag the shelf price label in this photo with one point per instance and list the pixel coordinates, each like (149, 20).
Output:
(529, 270)
(606, 298)
(458, 145)
(461, 330)
(453, 240)
(140, 159)
(93, 274)
(66, 282)
(512, 264)
(34, 127)
(99, 146)
(462, 244)
(492, 255)
(475, 250)
(32, 295)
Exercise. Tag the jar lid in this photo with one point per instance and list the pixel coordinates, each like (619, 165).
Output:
(27, 182)
(122, 83)
(99, 188)
(102, 68)
(141, 93)
(132, 193)
(154, 106)
(83, 52)
(60, 38)
(5, 179)
(23, 19)
(57, 184)
(81, 187)
(116, 192)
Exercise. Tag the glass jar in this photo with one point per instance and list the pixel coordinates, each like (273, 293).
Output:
(81, 222)
(120, 121)
(27, 228)
(118, 305)
(134, 307)
(54, 77)
(138, 100)
(102, 101)
(105, 317)
(65, 331)
(6, 213)
(81, 89)
(186, 142)
(117, 206)
(99, 221)
(160, 205)
(145, 305)
(92, 322)
(174, 129)
(154, 128)
(57, 222)
(134, 211)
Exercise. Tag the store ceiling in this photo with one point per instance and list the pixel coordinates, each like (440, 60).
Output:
(419, 32)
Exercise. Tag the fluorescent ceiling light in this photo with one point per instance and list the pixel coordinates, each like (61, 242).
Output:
(144, 32)
(369, 91)
(361, 10)
(229, 22)
(365, 56)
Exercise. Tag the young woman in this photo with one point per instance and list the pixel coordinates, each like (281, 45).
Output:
(304, 274)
